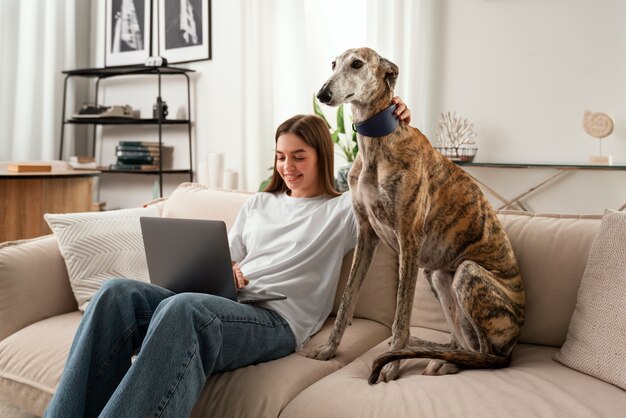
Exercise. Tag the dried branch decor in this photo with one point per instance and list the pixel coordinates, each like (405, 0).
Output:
(452, 132)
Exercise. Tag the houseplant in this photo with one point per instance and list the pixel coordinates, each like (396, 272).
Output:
(346, 143)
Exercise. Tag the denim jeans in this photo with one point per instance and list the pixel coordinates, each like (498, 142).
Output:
(179, 339)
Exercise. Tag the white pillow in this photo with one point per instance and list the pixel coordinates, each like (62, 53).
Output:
(596, 338)
(97, 246)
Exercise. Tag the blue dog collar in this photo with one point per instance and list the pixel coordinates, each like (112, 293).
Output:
(381, 124)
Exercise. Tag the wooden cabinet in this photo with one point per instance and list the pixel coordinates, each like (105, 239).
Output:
(26, 197)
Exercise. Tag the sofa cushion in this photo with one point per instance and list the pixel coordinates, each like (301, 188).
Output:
(596, 339)
(264, 389)
(32, 360)
(194, 201)
(377, 299)
(98, 246)
(30, 371)
(534, 385)
(552, 252)
(33, 283)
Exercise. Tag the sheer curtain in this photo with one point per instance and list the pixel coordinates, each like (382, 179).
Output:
(38, 39)
(289, 45)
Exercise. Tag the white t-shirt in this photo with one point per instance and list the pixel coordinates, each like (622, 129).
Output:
(294, 246)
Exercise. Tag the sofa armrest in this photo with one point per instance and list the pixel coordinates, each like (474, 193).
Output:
(33, 283)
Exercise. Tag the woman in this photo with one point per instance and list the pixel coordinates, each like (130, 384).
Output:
(290, 240)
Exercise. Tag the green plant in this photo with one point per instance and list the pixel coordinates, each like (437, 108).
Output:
(346, 143)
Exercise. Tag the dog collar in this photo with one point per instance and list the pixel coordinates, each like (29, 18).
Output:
(381, 124)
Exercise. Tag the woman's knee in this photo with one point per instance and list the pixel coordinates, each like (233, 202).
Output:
(188, 306)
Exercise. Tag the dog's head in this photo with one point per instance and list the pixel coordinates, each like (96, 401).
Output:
(359, 76)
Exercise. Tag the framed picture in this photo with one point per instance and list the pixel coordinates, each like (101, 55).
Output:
(184, 30)
(128, 32)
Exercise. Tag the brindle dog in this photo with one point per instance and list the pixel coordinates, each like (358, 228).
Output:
(435, 217)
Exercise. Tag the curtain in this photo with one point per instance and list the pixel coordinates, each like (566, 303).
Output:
(38, 39)
(288, 46)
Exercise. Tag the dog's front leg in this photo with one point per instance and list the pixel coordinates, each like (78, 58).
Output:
(366, 243)
(409, 265)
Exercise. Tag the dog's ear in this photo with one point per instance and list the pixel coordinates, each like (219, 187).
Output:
(391, 72)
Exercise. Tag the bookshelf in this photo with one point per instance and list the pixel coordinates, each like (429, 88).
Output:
(100, 74)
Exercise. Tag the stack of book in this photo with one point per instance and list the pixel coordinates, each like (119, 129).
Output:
(141, 156)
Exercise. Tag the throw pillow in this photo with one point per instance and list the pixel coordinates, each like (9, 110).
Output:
(97, 246)
(596, 338)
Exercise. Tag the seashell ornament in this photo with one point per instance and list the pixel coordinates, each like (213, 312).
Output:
(598, 125)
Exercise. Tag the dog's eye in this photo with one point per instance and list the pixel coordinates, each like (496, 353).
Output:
(333, 65)
(357, 64)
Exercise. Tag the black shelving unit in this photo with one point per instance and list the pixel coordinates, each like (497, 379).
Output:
(104, 73)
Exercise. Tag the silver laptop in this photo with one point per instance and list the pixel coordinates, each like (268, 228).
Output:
(193, 255)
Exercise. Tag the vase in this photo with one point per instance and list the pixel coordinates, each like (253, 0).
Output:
(341, 181)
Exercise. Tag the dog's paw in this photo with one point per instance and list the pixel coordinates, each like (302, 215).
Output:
(386, 373)
(323, 352)
(440, 368)
(390, 372)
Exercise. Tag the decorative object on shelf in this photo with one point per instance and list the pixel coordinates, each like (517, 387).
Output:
(83, 162)
(184, 28)
(215, 161)
(452, 133)
(159, 109)
(91, 111)
(128, 31)
(231, 180)
(344, 141)
(598, 125)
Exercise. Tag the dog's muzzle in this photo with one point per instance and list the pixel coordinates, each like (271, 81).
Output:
(324, 95)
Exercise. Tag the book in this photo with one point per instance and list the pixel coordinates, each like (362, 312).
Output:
(133, 167)
(137, 160)
(29, 168)
(139, 143)
(140, 148)
(83, 163)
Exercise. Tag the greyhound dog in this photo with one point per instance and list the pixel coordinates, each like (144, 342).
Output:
(434, 216)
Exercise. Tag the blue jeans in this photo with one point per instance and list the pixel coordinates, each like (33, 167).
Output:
(181, 339)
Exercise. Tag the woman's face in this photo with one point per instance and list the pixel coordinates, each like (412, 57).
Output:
(296, 162)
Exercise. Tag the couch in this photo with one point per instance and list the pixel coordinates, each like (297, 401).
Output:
(39, 316)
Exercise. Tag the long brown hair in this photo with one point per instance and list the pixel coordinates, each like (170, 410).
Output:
(314, 131)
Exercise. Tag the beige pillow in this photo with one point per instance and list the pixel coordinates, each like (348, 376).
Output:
(194, 201)
(596, 339)
(98, 246)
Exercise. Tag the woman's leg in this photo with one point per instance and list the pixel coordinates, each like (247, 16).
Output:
(112, 329)
(190, 337)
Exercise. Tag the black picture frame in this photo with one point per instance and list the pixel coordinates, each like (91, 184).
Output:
(187, 41)
(128, 32)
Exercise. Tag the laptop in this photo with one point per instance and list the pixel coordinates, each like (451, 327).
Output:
(193, 255)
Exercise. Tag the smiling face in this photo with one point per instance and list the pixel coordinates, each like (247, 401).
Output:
(296, 163)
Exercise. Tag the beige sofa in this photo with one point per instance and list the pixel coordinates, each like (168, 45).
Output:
(38, 318)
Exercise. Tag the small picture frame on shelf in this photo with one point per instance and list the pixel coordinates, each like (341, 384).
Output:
(184, 30)
(128, 31)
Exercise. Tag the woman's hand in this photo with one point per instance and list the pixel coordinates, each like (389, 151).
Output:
(240, 279)
(402, 111)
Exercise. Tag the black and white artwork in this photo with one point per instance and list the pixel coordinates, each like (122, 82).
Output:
(128, 32)
(184, 30)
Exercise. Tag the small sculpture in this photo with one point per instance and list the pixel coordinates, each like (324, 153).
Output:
(598, 125)
(452, 132)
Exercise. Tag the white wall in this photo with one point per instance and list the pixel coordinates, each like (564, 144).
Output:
(522, 71)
